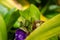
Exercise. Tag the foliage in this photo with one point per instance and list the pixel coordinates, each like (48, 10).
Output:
(12, 18)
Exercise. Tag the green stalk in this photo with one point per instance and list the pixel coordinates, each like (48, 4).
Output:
(50, 33)
(46, 30)
(6, 3)
(3, 31)
(45, 8)
(11, 4)
(55, 37)
(0, 36)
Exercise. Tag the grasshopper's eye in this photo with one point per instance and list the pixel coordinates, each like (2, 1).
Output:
(20, 34)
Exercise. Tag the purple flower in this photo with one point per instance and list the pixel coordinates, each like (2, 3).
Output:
(20, 34)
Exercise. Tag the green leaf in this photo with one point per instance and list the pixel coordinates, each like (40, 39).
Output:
(50, 14)
(3, 10)
(46, 30)
(51, 11)
(45, 8)
(3, 31)
(11, 18)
